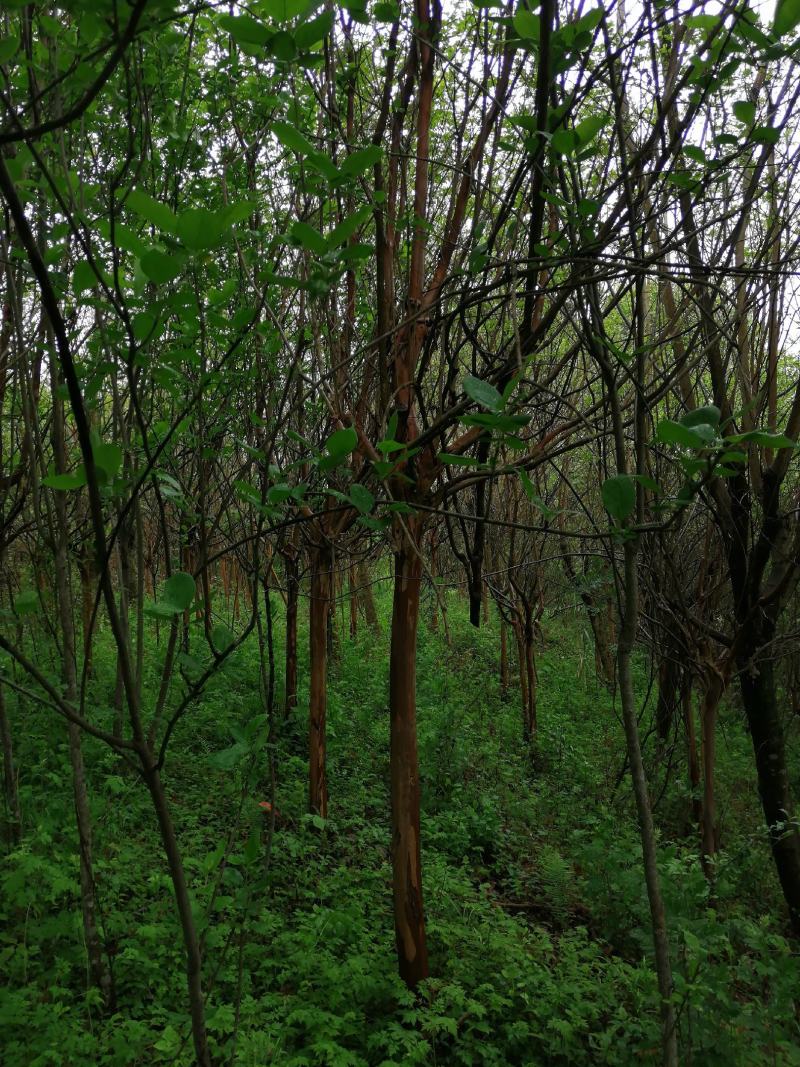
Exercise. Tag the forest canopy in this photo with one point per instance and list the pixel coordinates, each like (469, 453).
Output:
(399, 540)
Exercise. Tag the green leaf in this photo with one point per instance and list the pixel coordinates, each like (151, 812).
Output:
(283, 10)
(619, 496)
(745, 112)
(244, 29)
(8, 46)
(588, 129)
(108, 457)
(83, 277)
(180, 590)
(527, 24)
(199, 228)
(766, 135)
(707, 415)
(282, 46)
(64, 482)
(362, 498)
(160, 267)
(221, 638)
(504, 423)
(676, 433)
(564, 142)
(764, 438)
(151, 210)
(458, 461)
(27, 602)
(787, 16)
(309, 238)
(482, 393)
(292, 138)
(347, 227)
(314, 32)
(342, 442)
(357, 162)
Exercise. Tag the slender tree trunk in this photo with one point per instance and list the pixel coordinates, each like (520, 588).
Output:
(319, 616)
(711, 697)
(643, 808)
(694, 762)
(503, 661)
(409, 916)
(188, 928)
(352, 582)
(367, 598)
(523, 679)
(292, 595)
(530, 673)
(757, 681)
(10, 788)
(100, 975)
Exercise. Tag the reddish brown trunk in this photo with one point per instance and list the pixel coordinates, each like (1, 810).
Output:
(711, 698)
(351, 577)
(503, 661)
(694, 761)
(523, 676)
(367, 598)
(409, 917)
(319, 615)
(292, 593)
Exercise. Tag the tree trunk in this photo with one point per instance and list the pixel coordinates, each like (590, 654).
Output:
(757, 681)
(367, 598)
(352, 582)
(409, 917)
(10, 789)
(711, 697)
(694, 762)
(319, 616)
(292, 594)
(503, 661)
(188, 928)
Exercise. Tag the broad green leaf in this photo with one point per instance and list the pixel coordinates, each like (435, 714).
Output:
(151, 210)
(283, 10)
(342, 442)
(282, 46)
(27, 602)
(458, 461)
(482, 393)
(244, 29)
(588, 129)
(66, 481)
(357, 162)
(787, 16)
(160, 267)
(221, 638)
(314, 32)
(309, 238)
(179, 590)
(707, 415)
(527, 24)
(619, 496)
(496, 421)
(108, 458)
(199, 228)
(292, 138)
(83, 277)
(675, 433)
(764, 438)
(347, 227)
(564, 142)
(362, 498)
(745, 112)
(8, 46)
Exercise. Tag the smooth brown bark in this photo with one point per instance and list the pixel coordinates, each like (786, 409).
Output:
(292, 596)
(319, 617)
(409, 916)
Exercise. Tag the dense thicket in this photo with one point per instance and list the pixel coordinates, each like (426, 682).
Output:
(303, 300)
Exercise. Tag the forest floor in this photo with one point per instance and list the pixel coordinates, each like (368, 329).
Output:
(535, 901)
